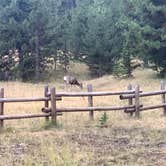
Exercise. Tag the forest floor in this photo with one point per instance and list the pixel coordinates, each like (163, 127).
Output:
(76, 140)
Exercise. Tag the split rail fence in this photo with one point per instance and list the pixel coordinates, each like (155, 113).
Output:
(51, 97)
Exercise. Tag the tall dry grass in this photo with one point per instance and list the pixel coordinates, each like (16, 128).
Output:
(76, 140)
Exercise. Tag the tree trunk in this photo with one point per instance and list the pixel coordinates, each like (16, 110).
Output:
(55, 62)
(127, 63)
(37, 56)
(66, 58)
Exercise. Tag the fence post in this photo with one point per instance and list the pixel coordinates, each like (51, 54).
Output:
(53, 106)
(137, 102)
(1, 107)
(130, 100)
(46, 103)
(163, 97)
(90, 102)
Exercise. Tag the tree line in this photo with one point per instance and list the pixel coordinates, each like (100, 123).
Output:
(105, 34)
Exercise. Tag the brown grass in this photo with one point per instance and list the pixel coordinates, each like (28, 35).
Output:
(76, 140)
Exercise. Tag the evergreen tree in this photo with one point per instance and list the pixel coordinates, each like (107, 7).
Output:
(154, 33)
(105, 34)
(13, 32)
(97, 34)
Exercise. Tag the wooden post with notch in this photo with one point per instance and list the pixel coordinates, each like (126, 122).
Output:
(1, 107)
(90, 102)
(163, 98)
(130, 100)
(137, 102)
(53, 106)
(46, 103)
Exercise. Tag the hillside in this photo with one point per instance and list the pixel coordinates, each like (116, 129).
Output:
(76, 140)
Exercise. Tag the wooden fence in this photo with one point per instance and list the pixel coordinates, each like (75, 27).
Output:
(138, 94)
(51, 97)
(44, 99)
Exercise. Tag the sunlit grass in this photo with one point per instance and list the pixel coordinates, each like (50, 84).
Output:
(78, 141)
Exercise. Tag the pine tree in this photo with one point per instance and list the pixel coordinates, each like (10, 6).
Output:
(153, 21)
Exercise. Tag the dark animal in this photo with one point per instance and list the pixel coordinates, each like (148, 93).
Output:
(70, 80)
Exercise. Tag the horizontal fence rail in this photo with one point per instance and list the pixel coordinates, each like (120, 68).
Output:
(52, 110)
(145, 94)
(153, 107)
(83, 94)
(11, 117)
(15, 100)
(84, 109)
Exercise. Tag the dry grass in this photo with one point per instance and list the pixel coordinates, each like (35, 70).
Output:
(76, 140)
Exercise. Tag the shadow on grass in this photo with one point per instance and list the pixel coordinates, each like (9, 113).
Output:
(7, 130)
(49, 125)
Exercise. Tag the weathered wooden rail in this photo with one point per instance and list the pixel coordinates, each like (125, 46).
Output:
(54, 110)
(3, 100)
(133, 106)
(137, 95)
(51, 97)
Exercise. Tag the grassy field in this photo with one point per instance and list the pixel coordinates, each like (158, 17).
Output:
(76, 141)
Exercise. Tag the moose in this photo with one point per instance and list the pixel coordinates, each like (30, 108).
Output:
(71, 80)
